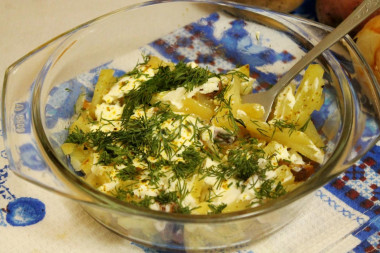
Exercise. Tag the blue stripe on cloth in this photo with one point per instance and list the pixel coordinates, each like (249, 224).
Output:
(338, 207)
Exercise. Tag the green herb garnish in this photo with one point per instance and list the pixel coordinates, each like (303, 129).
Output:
(128, 173)
(217, 209)
(192, 161)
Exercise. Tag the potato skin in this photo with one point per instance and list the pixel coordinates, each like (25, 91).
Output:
(333, 12)
(368, 42)
(275, 5)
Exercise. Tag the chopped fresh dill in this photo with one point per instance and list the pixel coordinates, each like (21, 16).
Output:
(217, 209)
(165, 79)
(225, 104)
(213, 195)
(281, 124)
(77, 136)
(166, 197)
(145, 202)
(192, 160)
(270, 189)
(123, 193)
(239, 74)
(263, 132)
(128, 173)
(304, 127)
(241, 163)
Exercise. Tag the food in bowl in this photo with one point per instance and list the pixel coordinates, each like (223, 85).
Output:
(177, 138)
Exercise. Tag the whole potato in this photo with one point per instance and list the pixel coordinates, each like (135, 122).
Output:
(333, 12)
(275, 5)
(368, 42)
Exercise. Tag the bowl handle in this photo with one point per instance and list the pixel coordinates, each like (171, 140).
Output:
(24, 155)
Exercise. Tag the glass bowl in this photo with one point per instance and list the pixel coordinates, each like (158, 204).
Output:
(40, 91)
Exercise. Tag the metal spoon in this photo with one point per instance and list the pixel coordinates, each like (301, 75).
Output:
(266, 98)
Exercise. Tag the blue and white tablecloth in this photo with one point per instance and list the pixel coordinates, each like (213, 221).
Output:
(342, 216)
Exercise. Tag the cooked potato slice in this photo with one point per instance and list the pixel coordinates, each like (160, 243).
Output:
(223, 119)
(78, 156)
(297, 107)
(284, 103)
(253, 110)
(200, 190)
(68, 148)
(232, 94)
(312, 132)
(82, 123)
(285, 176)
(87, 163)
(202, 208)
(192, 106)
(155, 62)
(233, 101)
(105, 81)
(243, 69)
(309, 94)
(236, 206)
(189, 106)
(291, 138)
(81, 103)
(244, 82)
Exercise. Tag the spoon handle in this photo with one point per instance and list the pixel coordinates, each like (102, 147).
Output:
(363, 11)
